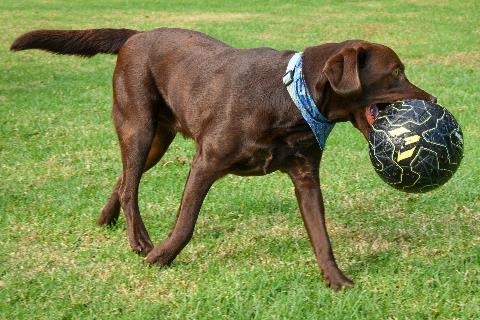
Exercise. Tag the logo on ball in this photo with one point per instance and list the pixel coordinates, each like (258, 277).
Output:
(408, 141)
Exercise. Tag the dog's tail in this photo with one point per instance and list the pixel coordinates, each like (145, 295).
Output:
(85, 43)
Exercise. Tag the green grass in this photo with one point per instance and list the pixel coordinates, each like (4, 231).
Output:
(412, 256)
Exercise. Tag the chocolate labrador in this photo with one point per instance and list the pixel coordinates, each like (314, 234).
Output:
(238, 107)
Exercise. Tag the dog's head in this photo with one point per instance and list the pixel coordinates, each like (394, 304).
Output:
(352, 80)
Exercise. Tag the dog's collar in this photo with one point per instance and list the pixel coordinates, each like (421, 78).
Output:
(294, 80)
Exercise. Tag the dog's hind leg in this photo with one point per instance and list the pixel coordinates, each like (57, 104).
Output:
(163, 137)
(138, 116)
(136, 136)
(111, 210)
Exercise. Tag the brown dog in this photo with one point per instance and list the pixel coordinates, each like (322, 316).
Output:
(233, 103)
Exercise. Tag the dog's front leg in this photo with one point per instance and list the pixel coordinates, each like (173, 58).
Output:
(202, 175)
(305, 176)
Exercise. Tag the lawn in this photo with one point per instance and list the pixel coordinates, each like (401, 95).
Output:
(412, 256)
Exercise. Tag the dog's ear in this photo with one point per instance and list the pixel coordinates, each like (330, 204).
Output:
(341, 71)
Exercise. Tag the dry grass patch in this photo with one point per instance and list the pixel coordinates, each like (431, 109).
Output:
(464, 59)
(35, 257)
(135, 18)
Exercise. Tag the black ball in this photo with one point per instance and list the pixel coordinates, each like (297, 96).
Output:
(415, 145)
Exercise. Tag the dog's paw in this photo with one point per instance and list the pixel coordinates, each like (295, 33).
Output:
(337, 281)
(160, 255)
(109, 215)
(142, 246)
(140, 242)
(111, 211)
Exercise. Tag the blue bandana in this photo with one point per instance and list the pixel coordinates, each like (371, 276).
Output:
(297, 88)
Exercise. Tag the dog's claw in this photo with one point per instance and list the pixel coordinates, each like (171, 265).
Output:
(141, 243)
(142, 248)
(337, 281)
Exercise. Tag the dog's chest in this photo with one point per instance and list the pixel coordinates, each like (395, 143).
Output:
(260, 158)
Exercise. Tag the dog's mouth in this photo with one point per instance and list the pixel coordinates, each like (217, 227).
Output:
(372, 111)
(365, 118)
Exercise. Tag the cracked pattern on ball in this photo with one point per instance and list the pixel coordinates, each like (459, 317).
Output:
(415, 145)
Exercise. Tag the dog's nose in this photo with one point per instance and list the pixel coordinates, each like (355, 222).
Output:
(433, 99)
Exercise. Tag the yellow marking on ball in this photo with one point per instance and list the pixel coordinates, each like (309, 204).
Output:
(398, 131)
(405, 154)
(411, 139)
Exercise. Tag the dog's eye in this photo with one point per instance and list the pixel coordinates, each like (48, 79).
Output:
(396, 72)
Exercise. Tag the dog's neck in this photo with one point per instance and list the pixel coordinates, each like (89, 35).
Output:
(314, 60)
